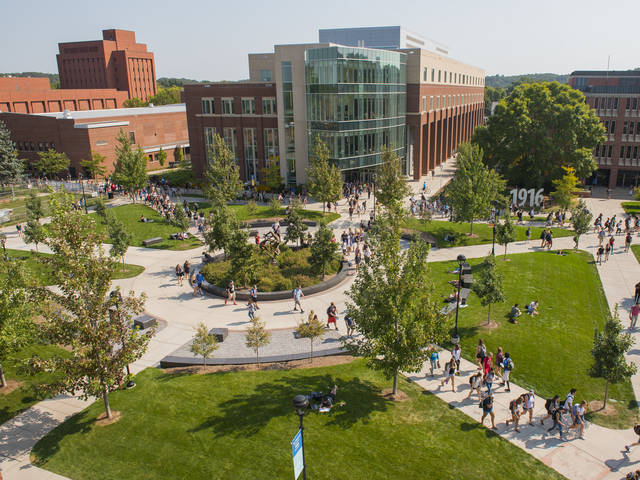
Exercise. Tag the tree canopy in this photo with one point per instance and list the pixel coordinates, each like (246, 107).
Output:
(538, 129)
(581, 219)
(130, 169)
(94, 166)
(221, 177)
(11, 167)
(391, 185)
(51, 162)
(324, 178)
(565, 188)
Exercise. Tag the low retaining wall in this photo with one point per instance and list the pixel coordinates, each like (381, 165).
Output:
(283, 294)
(267, 223)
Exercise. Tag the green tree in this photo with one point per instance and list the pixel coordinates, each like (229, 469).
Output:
(101, 209)
(51, 162)
(178, 156)
(17, 307)
(505, 232)
(162, 157)
(272, 177)
(11, 167)
(221, 178)
(243, 257)
(565, 188)
(312, 329)
(538, 129)
(275, 205)
(491, 95)
(80, 314)
(391, 185)
(295, 228)
(394, 306)
(34, 232)
(474, 188)
(94, 167)
(119, 237)
(488, 285)
(324, 179)
(323, 250)
(257, 336)
(252, 207)
(134, 102)
(581, 219)
(130, 169)
(180, 219)
(34, 206)
(204, 343)
(609, 348)
(221, 224)
(166, 96)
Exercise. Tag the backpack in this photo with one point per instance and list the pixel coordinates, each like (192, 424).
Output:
(636, 429)
(508, 364)
(548, 404)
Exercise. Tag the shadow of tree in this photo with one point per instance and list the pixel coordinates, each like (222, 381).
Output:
(247, 414)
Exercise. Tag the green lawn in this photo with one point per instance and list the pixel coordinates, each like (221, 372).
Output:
(22, 398)
(263, 211)
(19, 208)
(239, 425)
(130, 216)
(482, 232)
(636, 251)
(631, 208)
(551, 351)
(41, 275)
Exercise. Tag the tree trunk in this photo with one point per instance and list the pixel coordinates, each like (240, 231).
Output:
(257, 357)
(105, 397)
(505, 251)
(489, 315)
(36, 247)
(395, 384)
(13, 195)
(471, 230)
(204, 360)
(323, 207)
(123, 263)
(3, 381)
(606, 394)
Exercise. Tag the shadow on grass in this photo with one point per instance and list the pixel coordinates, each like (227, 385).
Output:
(50, 443)
(247, 414)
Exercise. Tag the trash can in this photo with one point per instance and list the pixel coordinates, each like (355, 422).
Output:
(110, 195)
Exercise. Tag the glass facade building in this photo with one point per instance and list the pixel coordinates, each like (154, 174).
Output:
(356, 103)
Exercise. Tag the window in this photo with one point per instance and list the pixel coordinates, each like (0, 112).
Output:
(229, 135)
(595, 103)
(132, 137)
(622, 151)
(248, 106)
(150, 158)
(269, 106)
(624, 128)
(433, 74)
(250, 152)
(628, 104)
(439, 75)
(100, 143)
(613, 127)
(209, 132)
(424, 104)
(265, 75)
(270, 145)
(634, 105)
(431, 103)
(610, 154)
(424, 74)
(615, 103)
(635, 152)
(227, 106)
(596, 152)
(628, 151)
(207, 106)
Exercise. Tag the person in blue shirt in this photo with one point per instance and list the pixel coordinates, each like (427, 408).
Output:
(199, 282)
(434, 359)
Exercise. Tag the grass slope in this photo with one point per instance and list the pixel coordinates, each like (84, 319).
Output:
(263, 211)
(42, 276)
(238, 425)
(551, 351)
(631, 208)
(482, 232)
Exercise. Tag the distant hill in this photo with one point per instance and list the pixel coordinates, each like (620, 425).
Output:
(180, 82)
(505, 81)
(54, 78)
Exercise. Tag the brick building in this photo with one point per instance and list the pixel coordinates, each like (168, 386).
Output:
(94, 75)
(80, 133)
(357, 99)
(615, 95)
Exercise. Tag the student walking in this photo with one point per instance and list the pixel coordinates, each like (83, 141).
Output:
(332, 315)
(475, 382)
(507, 367)
(528, 402)
(488, 379)
(514, 409)
(636, 430)
(633, 315)
(198, 286)
(297, 295)
(450, 372)
(567, 405)
(578, 417)
(487, 409)
(627, 242)
(231, 293)
(557, 421)
(350, 326)
(455, 353)
(252, 310)
(551, 405)
(481, 352)
(599, 254)
(179, 274)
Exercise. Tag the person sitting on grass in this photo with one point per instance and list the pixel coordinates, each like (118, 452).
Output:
(514, 313)
(532, 308)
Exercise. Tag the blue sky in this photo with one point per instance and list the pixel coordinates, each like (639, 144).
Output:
(210, 39)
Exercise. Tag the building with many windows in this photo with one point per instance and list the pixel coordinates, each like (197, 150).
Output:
(615, 95)
(417, 102)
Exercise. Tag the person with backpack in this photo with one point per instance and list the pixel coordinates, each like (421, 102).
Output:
(434, 359)
(551, 405)
(487, 409)
(557, 421)
(481, 352)
(455, 353)
(633, 315)
(475, 382)
(578, 417)
(528, 402)
(332, 315)
(489, 378)
(636, 430)
(514, 409)
(507, 367)
(568, 402)
(450, 372)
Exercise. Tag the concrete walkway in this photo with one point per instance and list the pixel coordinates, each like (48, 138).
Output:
(597, 457)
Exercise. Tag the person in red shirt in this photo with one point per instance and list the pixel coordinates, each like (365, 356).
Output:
(487, 363)
(633, 315)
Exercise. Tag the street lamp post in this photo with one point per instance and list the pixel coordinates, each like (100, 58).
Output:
(300, 405)
(461, 259)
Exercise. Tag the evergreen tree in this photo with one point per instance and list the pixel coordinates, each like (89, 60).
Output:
(565, 188)
(204, 343)
(272, 177)
(275, 206)
(180, 219)
(505, 232)
(98, 330)
(581, 219)
(119, 237)
(488, 285)
(324, 179)
(609, 348)
(474, 188)
(221, 178)
(34, 206)
(178, 156)
(94, 167)
(295, 228)
(323, 250)
(130, 169)
(257, 337)
(51, 162)
(101, 209)
(162, 157)
(312, 329)
(11, 167)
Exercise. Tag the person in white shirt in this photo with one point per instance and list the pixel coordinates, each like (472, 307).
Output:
(528, 405)
(455, 353)
(568, 403)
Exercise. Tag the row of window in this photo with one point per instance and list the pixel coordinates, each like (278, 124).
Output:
(436, 102)
(247, 106)
(34, 147)
(443, 76)
(628, 128)
(270, 141)
(611, 103)
(626, 151)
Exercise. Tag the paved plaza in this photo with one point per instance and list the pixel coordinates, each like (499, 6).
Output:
(598, 456)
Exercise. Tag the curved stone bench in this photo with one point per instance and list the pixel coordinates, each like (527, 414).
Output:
(283, 294)
(267, 223)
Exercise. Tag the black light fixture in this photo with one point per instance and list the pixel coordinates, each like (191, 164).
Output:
(461, 260)
(300, 405)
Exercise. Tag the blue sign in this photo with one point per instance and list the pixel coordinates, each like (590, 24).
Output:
(296, 449)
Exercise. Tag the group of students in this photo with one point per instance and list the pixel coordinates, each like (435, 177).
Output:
(195, 279)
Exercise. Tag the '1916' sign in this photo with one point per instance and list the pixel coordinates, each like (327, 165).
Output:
(519, 197)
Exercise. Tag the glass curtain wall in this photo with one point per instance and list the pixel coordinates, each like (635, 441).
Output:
(356, 103)
(289, 129)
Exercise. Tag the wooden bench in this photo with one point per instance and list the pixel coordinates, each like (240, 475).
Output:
(152, 241)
